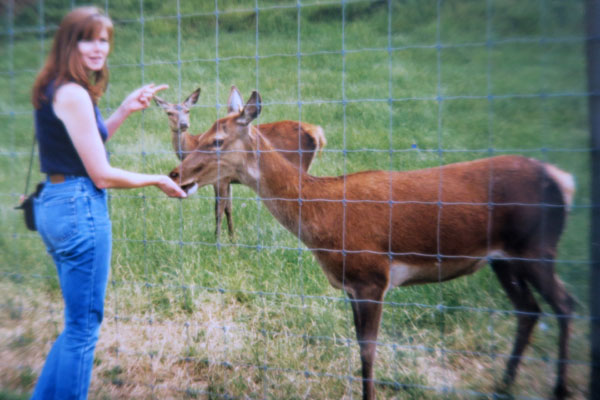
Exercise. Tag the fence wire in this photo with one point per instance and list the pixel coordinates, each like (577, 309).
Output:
(190, 315)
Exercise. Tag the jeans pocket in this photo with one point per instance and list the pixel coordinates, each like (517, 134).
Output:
(59, 219)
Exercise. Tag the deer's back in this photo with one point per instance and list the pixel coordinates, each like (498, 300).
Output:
(297, 141)
(454, 210)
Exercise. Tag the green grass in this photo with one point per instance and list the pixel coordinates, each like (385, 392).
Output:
(255, 317)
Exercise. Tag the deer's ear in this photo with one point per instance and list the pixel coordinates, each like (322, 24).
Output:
(192, 98)
(251, 110)
(160, 102)
(235, 102)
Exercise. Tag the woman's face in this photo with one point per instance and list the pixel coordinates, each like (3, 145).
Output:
(94, 51)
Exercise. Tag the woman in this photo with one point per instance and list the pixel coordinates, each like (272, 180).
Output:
(71, 212)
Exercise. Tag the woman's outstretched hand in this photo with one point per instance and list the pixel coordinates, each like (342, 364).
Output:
(140, 98)
(170, 188)
(137, 100)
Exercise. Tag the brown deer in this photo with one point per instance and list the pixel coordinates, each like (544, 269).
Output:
(297, 141)
(375, 230)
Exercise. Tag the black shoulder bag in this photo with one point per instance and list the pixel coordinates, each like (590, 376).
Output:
(27, 204)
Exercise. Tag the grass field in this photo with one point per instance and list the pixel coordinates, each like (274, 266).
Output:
(401, 85)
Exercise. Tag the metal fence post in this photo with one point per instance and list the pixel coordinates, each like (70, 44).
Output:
(593, 71)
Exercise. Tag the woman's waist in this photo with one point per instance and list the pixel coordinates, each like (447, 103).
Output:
(62, 177)
(70, 185)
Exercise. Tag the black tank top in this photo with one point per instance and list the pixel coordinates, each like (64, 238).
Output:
(57, 153)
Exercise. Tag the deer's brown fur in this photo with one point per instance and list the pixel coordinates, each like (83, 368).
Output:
(375, 230)
(297, 141)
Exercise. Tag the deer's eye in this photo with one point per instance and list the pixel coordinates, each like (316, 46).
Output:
(170, 113)
(218, 143)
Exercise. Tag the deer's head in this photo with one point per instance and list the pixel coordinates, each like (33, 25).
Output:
(225, 151)
(179, 114)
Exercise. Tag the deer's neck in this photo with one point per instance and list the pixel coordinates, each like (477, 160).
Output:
(278, 182)
(180, 139)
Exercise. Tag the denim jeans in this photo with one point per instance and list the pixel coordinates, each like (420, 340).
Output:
(72, 218)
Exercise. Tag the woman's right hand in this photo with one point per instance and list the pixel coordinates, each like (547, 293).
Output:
(170, 188)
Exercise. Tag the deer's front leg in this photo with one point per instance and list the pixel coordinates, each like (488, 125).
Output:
(367, 309)
(228, 210)
(219, 208)
(223, 205)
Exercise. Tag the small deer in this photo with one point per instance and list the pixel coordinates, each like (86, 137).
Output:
(298, 142)
(375, 230)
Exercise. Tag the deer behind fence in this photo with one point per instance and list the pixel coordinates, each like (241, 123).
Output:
(375, 230)
(298, 142)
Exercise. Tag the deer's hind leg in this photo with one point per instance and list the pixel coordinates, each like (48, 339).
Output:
(527, 309)
(541, 275)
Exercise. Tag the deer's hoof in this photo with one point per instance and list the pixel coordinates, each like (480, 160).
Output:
(502, 390)
(561, 392)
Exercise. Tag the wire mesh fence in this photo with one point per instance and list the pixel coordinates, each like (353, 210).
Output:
(394, 85)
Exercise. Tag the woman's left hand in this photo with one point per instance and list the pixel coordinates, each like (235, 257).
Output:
(140, 98)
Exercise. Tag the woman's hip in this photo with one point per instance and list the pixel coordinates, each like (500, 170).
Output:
(72, 212)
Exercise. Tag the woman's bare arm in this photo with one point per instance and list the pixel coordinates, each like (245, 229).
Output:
(73, 106)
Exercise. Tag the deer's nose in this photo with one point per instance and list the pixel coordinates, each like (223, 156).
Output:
(184, 125)
(174, 175)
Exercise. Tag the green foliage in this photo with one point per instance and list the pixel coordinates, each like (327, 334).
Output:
(165, 256)
(10, 395)
(114, 375)
(27, 377)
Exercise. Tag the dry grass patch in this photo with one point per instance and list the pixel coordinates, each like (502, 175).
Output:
(153, 344)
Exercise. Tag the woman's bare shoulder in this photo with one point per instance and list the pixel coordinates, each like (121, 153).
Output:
(71, 93)
(72, 100)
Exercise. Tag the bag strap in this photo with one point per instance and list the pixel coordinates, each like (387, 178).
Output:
(30, 164)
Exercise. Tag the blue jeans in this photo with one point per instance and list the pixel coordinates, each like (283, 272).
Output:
(72, 218)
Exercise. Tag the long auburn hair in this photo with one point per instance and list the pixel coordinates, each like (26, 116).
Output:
(64, 63)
